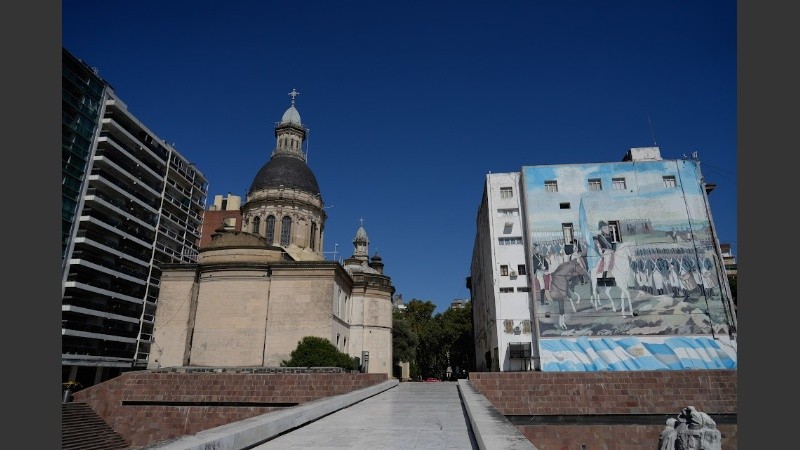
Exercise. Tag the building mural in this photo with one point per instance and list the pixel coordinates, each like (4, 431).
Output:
(626, 270)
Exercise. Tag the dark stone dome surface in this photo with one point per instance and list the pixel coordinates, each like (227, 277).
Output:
(291, 172)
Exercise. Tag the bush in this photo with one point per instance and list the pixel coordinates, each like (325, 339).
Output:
(315, 351)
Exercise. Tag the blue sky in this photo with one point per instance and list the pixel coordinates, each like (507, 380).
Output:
(410, 104)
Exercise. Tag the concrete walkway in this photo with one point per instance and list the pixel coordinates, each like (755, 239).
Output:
(389, 415)
(409, 416)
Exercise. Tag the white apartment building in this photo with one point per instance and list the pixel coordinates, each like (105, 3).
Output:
(501, 316)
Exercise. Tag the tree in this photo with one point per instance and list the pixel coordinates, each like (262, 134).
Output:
(404, 340)
(445, 339)
(457, 338)
(419, 317)
(315, 351)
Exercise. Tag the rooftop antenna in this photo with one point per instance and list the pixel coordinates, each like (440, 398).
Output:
(335, 251)
(307, 142)
(652, 132)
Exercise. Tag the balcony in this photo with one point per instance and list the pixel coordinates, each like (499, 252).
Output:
(104, 290)
(151, 203)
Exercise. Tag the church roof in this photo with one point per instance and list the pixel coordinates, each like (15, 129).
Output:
(361, 235)
(286, 171)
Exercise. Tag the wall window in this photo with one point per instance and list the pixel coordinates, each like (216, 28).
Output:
(569, 233)
(510, 241)
(669, 181)
(564, 205)
(256, 224)
(614, 231)
(313, 239)
(503, 270)
(270, 231)
(521, 269)
(618, 183)
(519, 350)
(229, 223)
(506, 290)
(286, 230)
(523, 289)
(526, 326)
(551, 186)
(512, 212)
(506, 192)
(508, 326)
(595, 184)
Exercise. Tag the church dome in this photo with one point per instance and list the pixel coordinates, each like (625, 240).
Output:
(291, 116)
(287, 171)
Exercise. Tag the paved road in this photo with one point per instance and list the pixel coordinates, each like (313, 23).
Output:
(412, 415)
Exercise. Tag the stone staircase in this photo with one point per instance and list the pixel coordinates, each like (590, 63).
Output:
(83, 429)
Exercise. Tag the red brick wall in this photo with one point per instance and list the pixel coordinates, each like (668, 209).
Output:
(142, 425)
(664, 392)
(213, 220)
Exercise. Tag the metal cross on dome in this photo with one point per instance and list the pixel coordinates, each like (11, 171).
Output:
(361, 221)
(293, 94)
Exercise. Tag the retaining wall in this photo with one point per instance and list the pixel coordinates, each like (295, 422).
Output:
(608, 410)
(147, 407)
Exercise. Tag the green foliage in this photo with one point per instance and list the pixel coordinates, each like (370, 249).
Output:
(404, 340)
(443, 340)
(315, 351)
(458, 339)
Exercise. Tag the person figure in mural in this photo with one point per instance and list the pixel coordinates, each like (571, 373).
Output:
(605, 247)
(540, 267)
(577, 252)
(707, 276)
(674, 278)
(688, 281)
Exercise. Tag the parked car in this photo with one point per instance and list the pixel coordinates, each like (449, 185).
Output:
(432, 380)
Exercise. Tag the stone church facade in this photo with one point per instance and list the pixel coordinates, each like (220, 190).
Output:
(254, 294)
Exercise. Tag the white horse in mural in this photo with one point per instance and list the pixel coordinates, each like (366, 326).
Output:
(621, 272)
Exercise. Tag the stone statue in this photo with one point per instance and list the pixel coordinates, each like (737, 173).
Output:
(666, 441)
(692, 430)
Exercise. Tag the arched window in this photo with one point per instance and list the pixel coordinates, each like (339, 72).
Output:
(256, 224)
(270, 231)
(313, 240)
(286, 230)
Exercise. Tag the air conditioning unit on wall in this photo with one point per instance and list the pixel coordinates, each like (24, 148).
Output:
(517, 328)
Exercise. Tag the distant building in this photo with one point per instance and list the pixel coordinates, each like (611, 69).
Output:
(459, 303)
(728, 259)
(600, 266)
(255, 293)
(397, 302)
(225, 212)
(731, 269)
(130, 201)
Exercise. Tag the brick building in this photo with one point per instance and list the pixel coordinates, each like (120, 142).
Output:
(225, 212)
